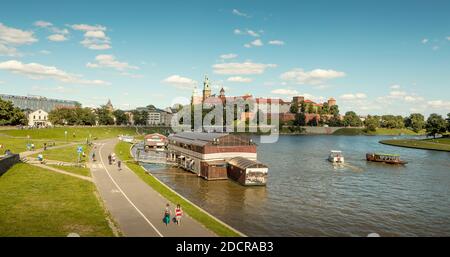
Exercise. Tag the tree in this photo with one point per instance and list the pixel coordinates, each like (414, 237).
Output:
(415, 121)
(435, 125)
(121, 117)
(335, 121)
(303, 107)
(372, 123)
(448, 122)
(325, 109)
(334, 110)
(311, 108)
(10, 115)
(104, 116)
(294, 108)
(140, 117)
(352, 120)
(300, 119)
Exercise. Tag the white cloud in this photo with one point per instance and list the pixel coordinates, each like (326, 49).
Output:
(238, 13)
(43, 24)
(252, 33)
(248, 32)
(57, 38)
(282, 91)
(8, 51)
(239, 79)
(95, 34)
(314, 77)
(45, 52)
(245, 68)
(439, 104)
(425, 40)
(404, 96)
(39, 71)
(85, 27)
(109, 61)
(228, 56)
(10, 38)
(247, 46)
(15, 36)
(180, 82)
(256, 42)
(395, 86)
(96, 44)
(448, 38)
(350, 97)
(276, 42)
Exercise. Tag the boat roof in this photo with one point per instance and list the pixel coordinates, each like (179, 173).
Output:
(335, 151)
(387, 154)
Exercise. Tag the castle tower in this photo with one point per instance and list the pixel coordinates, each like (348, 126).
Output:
(222, 92)
(331, 102)
(206, 88)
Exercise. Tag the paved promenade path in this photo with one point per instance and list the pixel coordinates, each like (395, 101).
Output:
(134, 205)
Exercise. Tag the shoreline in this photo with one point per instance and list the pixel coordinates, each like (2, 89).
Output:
(405, 144)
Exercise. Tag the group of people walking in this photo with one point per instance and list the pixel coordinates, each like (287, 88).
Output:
(168, 214)
(112, 160)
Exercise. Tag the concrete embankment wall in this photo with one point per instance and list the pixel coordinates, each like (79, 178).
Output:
(7, 162)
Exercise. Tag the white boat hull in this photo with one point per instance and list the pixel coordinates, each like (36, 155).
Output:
(336, 159)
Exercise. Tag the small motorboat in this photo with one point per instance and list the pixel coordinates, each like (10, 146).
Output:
(336, 157)
(385, 158)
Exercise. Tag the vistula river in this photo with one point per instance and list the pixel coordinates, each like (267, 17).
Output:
(308, 196)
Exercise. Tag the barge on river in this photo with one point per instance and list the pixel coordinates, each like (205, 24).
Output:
(385, 158)
(216, 156)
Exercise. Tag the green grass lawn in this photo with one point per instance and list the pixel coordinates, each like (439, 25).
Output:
(378, 132)
(18, 145)
(73, 169)
(442, 144)
(122, 150)
(37, 202)
(81, 133)
(66, 154)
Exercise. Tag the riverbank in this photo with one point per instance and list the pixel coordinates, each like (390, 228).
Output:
(378, 132)
(440, 144)
(122, 149)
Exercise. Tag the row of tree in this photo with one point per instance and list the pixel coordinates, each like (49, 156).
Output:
(10, 115)
(435, 124)
(98, 116)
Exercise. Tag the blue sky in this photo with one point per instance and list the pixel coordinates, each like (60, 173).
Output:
(374, 57)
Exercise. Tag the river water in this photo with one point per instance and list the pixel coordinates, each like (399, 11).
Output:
(308, 196)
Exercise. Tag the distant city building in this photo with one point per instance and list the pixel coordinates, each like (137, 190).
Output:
(38, 118)
(264, 104)
(33, 103)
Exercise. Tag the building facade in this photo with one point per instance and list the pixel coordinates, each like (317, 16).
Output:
(206, 154)
(39, 119)
(33, 103)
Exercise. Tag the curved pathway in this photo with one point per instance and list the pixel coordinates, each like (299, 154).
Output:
(134, 205)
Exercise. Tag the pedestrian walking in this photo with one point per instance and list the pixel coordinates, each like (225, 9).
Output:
(32, 147)
(167, 214)
(113, 157)
(93, 156)
(45, 146)
(119, 164)
(178, 214)
(109, 159)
